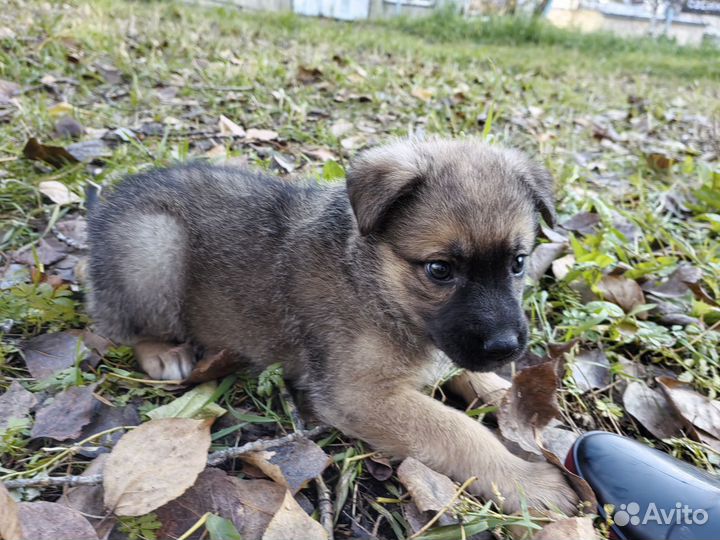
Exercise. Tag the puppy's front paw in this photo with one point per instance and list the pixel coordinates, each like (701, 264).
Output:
(541, 484)
(545, 488)
(165, 361)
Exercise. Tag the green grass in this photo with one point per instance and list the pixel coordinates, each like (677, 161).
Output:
(518, 82)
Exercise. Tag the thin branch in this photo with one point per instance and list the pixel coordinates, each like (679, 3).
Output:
(215, 458)
(325, 507)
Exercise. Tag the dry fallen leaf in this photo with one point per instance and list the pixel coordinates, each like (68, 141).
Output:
(622, 291)
(107, 417)
(561, 267)
(291, 522)
(699, 411)
(341, 127)
(542, 258)
(261, 134)
(230, 128)
(423, 94)
(154, 464)
(86, 151)
(66, 415)
(583, 223)
(291, 465)
(68, 127)
(530, 404)
(10, 528)
(8, 89)
(52, 521)
(214, 367)
(57, 156)
(49, 251)
(249, 504)
(577, 528)
(430, 490)
(591, 370)
(651, 409)
(88, 500)
(47, 354)
(15, 403)
(58, 192)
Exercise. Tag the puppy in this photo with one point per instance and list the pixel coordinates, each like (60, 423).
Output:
(353, 287)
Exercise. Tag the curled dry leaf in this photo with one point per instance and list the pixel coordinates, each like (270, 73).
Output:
(66, 415)
(291, 522)
(379, 468)
(58, 192)
(291, 465)
(622, 291)
(57, 156)
(568, 529)
(214, 367)
(651, 409)
(154, 464)
(228, 127)
(10, 528)
(530, 404)
(699, 411)
(430, 490)
(15, 403)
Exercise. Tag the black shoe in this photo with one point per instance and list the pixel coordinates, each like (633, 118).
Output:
(655, 496)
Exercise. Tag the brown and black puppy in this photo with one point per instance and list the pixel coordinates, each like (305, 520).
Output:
(354, 287)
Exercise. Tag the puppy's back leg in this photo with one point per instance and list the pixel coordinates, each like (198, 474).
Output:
(137, 276)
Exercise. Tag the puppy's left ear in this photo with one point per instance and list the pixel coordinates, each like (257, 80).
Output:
(542, 189)
(379, 178)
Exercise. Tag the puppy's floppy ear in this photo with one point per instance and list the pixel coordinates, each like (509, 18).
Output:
(542, 189)
(379, 177)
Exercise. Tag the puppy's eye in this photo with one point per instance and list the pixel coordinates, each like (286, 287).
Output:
(439, 270)
(518, 265)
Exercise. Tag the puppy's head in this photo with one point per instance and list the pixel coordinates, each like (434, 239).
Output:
(454, 223)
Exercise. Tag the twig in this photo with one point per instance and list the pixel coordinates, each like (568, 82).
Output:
(199, 523)
(325, 506)
(213, 459)
(444, 508)
(48, 481)
(256, 446)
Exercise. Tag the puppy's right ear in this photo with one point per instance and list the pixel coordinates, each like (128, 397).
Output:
(378, 178)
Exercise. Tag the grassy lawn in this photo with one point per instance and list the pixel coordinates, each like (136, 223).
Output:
(630, 129)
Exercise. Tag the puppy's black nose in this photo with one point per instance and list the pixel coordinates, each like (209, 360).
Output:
(502, 344)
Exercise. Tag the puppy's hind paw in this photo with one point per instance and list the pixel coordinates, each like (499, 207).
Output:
(165, 361)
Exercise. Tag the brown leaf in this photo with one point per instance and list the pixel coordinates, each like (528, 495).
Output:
(622, 291)
(249, 504)
(581, 487)
(57, 156)
(659, 161)
(530, 404)
(558, 439)
(430, 490)
(64, 417)
(264, 135)
(214, 367)
(542, 258)
(379, 468)
(576, 528)
(16, 403)
(47, 354)
(698, 410)
(291, 522)
(652, 410)
(10, 528)
(321, 154)
(52, 521)
(591, 370)
(154, 464)
(309, 75)
(291, 465)
(561, 267)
